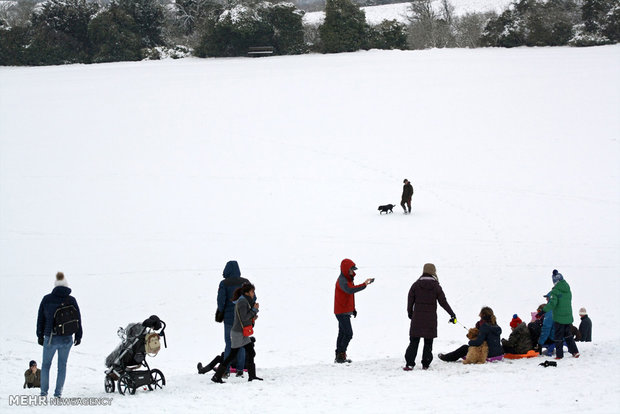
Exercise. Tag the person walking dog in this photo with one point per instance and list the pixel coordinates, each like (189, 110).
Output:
(422, 310)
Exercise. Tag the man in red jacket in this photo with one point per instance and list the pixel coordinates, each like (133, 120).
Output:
(344, 307)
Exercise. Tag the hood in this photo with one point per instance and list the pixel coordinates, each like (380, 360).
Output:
(345, 266)
(231, 269)
(61, 291)
(427, 281)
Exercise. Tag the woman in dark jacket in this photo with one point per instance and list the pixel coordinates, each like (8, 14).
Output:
(246, 310)
(422, 310)
(489, 332)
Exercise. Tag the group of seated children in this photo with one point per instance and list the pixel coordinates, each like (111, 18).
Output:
(531, 339)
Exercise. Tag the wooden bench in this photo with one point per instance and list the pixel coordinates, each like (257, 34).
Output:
(256, 51)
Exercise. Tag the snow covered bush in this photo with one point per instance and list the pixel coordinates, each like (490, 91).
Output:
(533, 23)
(246, 25)
(389, 34)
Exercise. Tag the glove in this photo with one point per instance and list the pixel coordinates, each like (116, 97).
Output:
(354, 313)
(548, 364)
(219, 316)
(40, 340)
(77, 341)
(453, 320)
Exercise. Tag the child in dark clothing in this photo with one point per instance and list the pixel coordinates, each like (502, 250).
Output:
(32, 376)
(585, 327)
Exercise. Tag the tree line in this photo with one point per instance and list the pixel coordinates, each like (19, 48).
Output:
(79, 31)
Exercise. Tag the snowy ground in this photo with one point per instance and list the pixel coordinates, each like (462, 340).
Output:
(140, 180)
(400, 11)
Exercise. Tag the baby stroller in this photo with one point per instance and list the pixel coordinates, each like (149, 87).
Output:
(124, 363)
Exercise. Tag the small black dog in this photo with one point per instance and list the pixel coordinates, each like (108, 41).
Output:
(386, 208)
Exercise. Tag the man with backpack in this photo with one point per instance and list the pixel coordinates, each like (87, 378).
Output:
(59, 319)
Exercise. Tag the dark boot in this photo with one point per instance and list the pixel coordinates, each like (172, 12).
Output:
(217, 377)
(211, 365)
(341, 358)
(252, 373)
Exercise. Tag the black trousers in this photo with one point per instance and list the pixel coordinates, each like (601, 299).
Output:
(407, 203)
(456, 354)
(412, 351)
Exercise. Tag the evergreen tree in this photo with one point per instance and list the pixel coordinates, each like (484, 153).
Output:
(149, 18)
(114, 36)
(344, 28)
(60, 32)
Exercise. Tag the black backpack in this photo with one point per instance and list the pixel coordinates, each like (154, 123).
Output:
(66, 320)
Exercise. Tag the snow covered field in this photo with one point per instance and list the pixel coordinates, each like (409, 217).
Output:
(141, 180)
(400, 11)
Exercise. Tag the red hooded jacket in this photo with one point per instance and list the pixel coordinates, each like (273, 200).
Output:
(344, 298)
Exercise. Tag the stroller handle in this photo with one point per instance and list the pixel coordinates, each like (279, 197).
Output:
(163, 333)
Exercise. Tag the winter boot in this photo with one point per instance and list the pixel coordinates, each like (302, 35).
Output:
(211, 365)
(252, 373)
(217, 377)
(341, 358)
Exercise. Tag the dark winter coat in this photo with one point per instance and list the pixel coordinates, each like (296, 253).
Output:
(407, 192)
(560, 303)
(422, 306)
(32, 380)
(535, 329)
(48, 306)
(232, 281)
(585, 328)
(519, 341)
(344, 295)
(491, 334)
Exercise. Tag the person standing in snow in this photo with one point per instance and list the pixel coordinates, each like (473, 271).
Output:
(585, 327)
(422, 310)
(405, 201)
(560, 303)
(489, 331)
(245, 312)
(52, 341)
(226, 313)
(344, 307)
(519, 341)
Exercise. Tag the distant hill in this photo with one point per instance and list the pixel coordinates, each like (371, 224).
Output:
(400, 11)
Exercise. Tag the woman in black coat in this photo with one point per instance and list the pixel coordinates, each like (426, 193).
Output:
(489, 332)
(422, 310)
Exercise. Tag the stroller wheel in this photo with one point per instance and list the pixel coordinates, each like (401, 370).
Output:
(109, 385)
(125, 384)
(157, 379)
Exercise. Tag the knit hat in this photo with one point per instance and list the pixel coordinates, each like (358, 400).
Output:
(516, 321)
(556, 276)
(33, 363)
(61, 280)
(429, 269)
(583, 312)
(405, 181)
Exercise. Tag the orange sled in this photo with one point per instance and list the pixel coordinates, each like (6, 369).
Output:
(530, 354)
